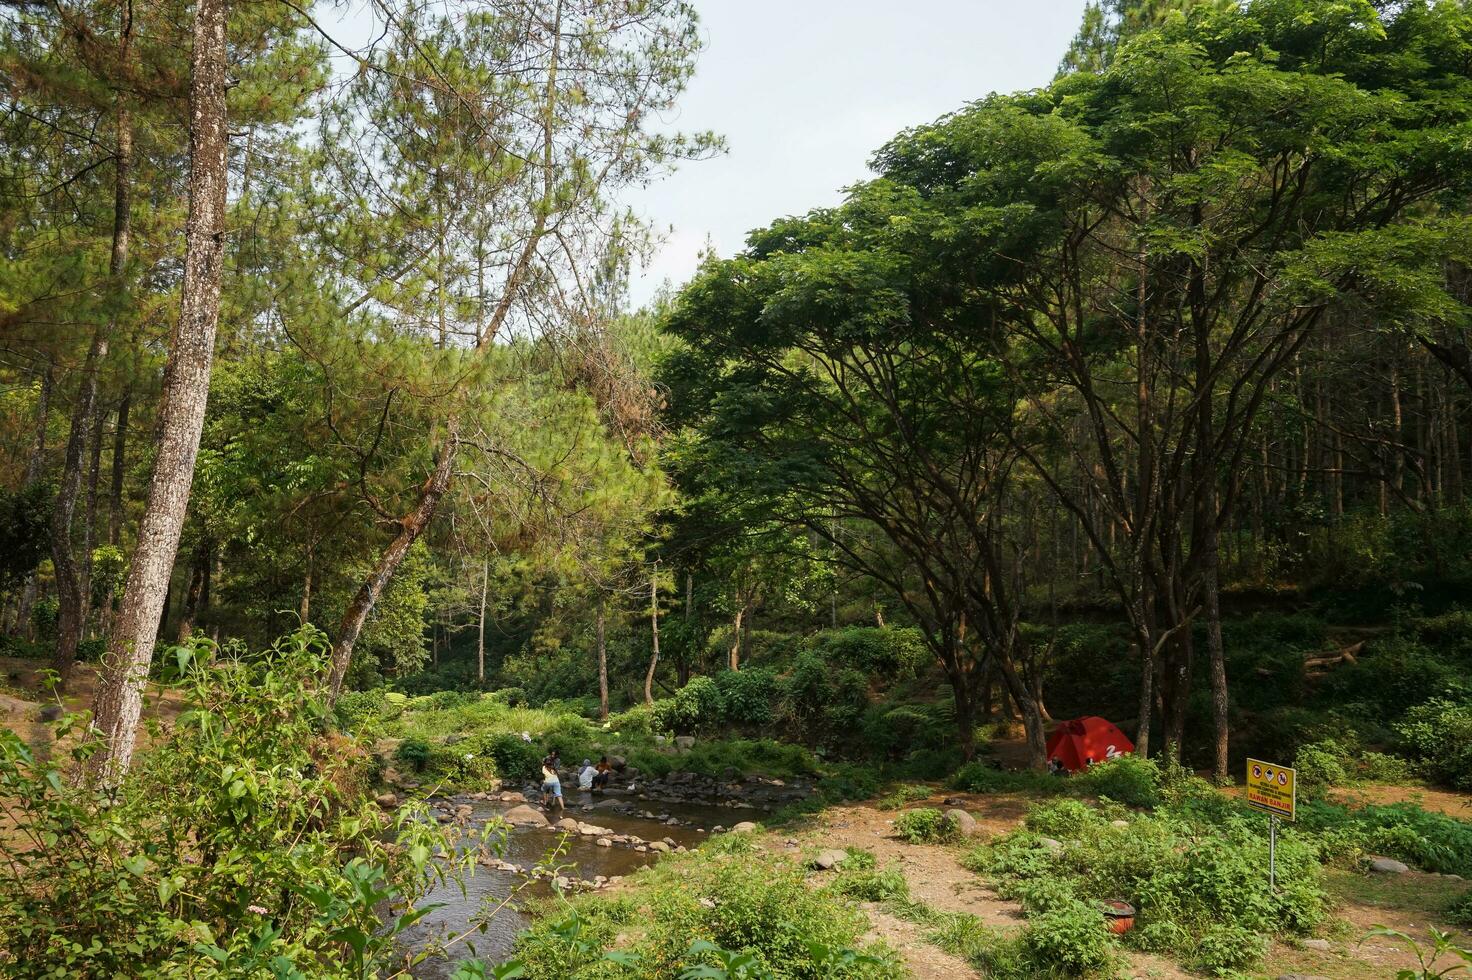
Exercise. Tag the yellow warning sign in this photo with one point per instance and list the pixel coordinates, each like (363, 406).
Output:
(1272, 788)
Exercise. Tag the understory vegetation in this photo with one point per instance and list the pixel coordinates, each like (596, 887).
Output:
(342, 482)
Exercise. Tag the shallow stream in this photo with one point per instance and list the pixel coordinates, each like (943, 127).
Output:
(582, 858)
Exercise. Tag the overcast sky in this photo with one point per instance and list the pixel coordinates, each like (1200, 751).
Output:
(805, 90)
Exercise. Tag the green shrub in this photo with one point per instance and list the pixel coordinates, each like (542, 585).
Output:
(696, 707)
(357, 710)
(871, 885)
(414, 753)
(1065, 819)
(152, 882)
(885, 652)
(749, 695)
(903, 797)
(1460, 911)
(1438, 736)
(1186, 868)
(925, 826)
(515, 759)
(1322, 765)
(1128, 779)
(982, 777)
(1430, 841)
(758, 904)
(1223, 950)
(1070, 938)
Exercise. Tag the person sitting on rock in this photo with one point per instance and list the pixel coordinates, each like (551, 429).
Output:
(551, 783)
(585, 774)
(602, 774)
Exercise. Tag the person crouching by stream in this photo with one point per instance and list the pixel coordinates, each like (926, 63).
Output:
(551, 784)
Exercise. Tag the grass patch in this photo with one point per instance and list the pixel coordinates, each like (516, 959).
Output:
(728, 895)
(903, 797)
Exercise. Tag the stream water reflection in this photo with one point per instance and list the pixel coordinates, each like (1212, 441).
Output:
(526, 847)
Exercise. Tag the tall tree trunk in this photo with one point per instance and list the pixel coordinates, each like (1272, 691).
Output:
(654, 633)
(1146, 702)
(89, 520)
(480, 638)
(602, 664)
(736, 637)
(304, 612)
(70, 618)
(117, 470)
(69, 578)
(411, 526)
(1220, 700)
(185, 392)
(198, 570)
(34, 465)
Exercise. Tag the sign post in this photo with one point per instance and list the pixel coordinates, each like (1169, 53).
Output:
(1274, 790)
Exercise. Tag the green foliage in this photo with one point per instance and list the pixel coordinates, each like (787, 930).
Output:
(925, 826)
(414, 753)
(1438, 736)
(697, 707)
(757, 905)
(903, 797)
(1430, 841)
(1185, 868)
(981, 777)
(1442, 957)
(358, 710)
(1070, 938)
(1128, 779)
(274, 861)
(749, 696)
(890, 653)
(1322, 765)
(25, 531)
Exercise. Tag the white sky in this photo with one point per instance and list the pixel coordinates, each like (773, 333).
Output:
(805, 90)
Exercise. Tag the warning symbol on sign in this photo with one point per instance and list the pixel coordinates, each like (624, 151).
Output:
(1271, 788)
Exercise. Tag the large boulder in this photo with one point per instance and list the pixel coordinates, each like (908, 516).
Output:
(829, 859)
(1388, 866)
(964, 822)
(744, 827)
(684, 743)
(524, 816)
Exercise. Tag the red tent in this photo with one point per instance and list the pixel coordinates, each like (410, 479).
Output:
(1074, 743)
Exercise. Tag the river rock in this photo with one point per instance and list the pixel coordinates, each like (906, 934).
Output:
(618, 763)
(744, 827)
(965, 823)
(1388, 866)
(524, 816)
(684, 743)
(1320, 945)
(464, 812)
(603, 842)
(829, 859)
(389, 801)
(660, 846)
(568, 824)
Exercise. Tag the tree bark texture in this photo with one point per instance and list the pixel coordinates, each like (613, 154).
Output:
(185, 392)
